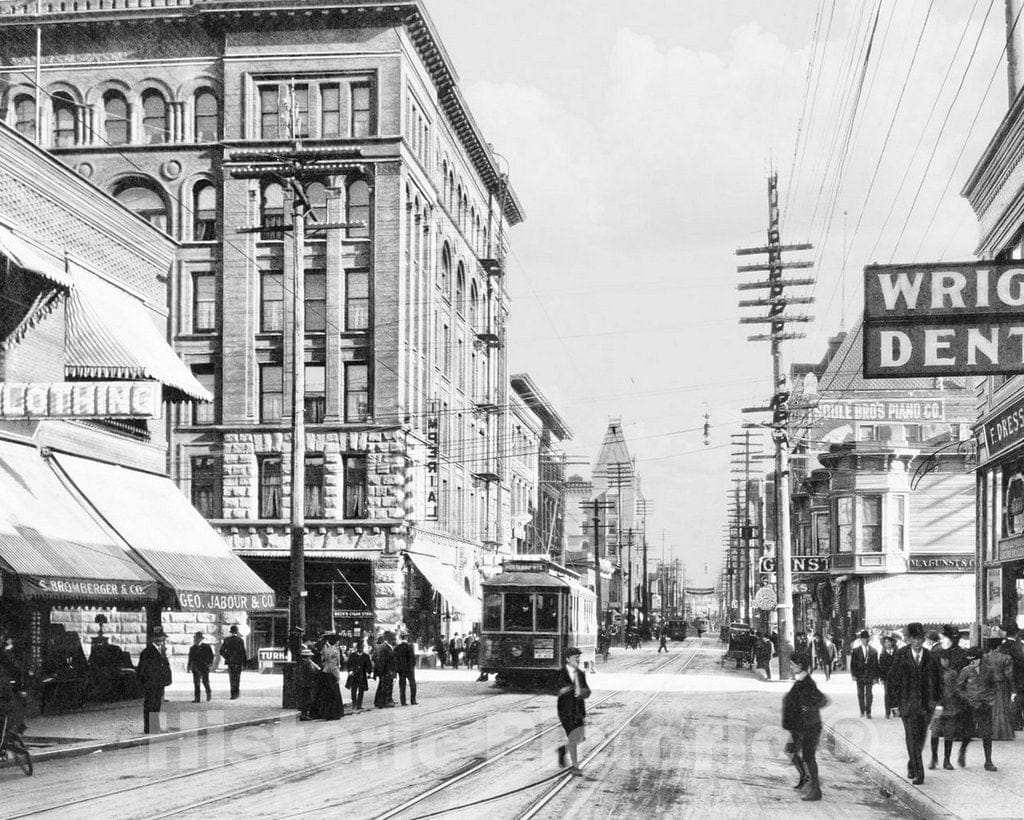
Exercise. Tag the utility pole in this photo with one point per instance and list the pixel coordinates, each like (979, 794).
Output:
(643, 508)
(777, 319)
(594, 507)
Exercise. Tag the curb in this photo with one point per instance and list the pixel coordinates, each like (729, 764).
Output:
(146, 740)
(919, 803)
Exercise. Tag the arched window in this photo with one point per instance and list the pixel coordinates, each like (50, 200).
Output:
(206, 125)
(460, 288)
(63, 120)
(154, 117)
(316, 193)
(357, 199)
(204, 212)
(474, 296)
(25, 115)
(457, 212)
(444, 180)
(115, 118)
(446, 269)
(451, 190)
(272, 211)
(140, 197)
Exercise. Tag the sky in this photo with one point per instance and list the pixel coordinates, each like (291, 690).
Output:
(639, 137)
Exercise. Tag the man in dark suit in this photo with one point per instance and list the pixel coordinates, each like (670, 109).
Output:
(233, 653)
(912, 680)
(405, 666)
(864, 670)
(200, 659)
(384, 669)
(154, 674)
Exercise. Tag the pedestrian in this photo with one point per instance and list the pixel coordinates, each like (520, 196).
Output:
(951, 647)
(945, 723)
(154, 674)
(801, 717)
(976, 689)
(331, 706)
(200, 659)
(884, 668)
(455, 649)
(1000, 661)
(1014, 650)
(571, 706)
(473, 651)
(306, 675)
(912, 679)
(441, 650)
(662, 640)
(405, 666)
(763, 654)
(359, 670)
(233, 653)
(827, 655)
(864, 670)
(384, 671)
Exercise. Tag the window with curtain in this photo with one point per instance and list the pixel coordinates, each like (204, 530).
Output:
(315, 300)
(272, 212)
(205, 489)
(357, 208)
(64, 116)
(154, 117)
(204, 302)
(354, 487)
(314, 502)
(357, 300)
(271, 500)
(207, 125)
(204, 212)
(205, 412)
(271, 392)
(844, 524)
(115, 118)
(362, 124)
(315, 402)
(330, 110)
(357, 392)
(870, 523)
(271, 301)
(25, 116)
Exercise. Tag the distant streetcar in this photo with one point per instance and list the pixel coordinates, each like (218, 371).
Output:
(534, 609)
(701, 625)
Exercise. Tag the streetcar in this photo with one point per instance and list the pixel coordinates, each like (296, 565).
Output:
(535, 609)
(701, 625)
(676, 628)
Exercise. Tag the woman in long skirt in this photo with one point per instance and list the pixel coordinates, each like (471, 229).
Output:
(572, 692)
(1001, 666)
(331, 705)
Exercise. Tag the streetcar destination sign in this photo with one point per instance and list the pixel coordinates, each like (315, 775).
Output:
(943, 319)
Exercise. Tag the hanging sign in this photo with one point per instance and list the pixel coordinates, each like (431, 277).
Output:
(433, 425)
(766, 598)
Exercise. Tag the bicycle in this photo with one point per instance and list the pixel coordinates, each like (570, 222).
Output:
(12, 745)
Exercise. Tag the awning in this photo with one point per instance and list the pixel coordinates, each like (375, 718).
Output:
(110, 336)
(936, 598)
(442, 581)
(159, 523)
(27, 257)
(53, 546)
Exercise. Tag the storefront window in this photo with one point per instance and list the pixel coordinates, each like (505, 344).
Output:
(844, 524)
(1013, 503)
(871, 523)
(518, 612)
(492, 610)
(819, 523)
(547, 612)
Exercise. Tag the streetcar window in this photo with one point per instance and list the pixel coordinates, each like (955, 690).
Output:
(492, 610)
(519, 612)
(547, 612)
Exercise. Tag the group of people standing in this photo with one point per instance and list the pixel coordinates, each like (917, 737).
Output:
(323, 664)
(450, 651)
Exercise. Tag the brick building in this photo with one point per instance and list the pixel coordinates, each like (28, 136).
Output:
(181, 110)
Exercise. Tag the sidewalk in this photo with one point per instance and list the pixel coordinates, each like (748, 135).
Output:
(878, 747)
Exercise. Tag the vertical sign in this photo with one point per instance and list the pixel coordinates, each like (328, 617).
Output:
(433, 423)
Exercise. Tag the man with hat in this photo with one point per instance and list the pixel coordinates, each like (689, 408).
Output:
(864, 670)
(233, 653)
(154, 674)
(572, 692)
(200, 659)
(912, 679)
(801, 717)
(306, 678)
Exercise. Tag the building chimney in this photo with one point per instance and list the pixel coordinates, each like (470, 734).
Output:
(1014, 28)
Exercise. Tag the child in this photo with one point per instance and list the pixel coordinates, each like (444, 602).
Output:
(801, 716)
(306, 681)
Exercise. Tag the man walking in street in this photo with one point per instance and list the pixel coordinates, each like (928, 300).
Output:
(384, 668)
(864, 670)
(663, 641)
(200, 659)
(405, 666)
(154, 674)
(233, 653)
(912, 679)
(763, 654)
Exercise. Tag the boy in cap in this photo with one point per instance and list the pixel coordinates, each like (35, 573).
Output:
(200, 659)
(913, 680)
(801, 717)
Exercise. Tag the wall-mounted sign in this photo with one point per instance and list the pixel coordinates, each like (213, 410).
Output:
(912, 410)
(225, 601)
(80, 400)
(87, 589)
(272, 654)
(353, 613)
(799, 563)
(938, 562)
(433, 427)
(943, 319)
(1004, 429)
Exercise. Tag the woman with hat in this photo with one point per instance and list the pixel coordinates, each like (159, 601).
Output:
(801, 717)
(572, 692)
(331, 705)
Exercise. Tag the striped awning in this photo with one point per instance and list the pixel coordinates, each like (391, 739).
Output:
(158, 522)
(110, 336)
(51, 543)
(27, 257)
(893, 601)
